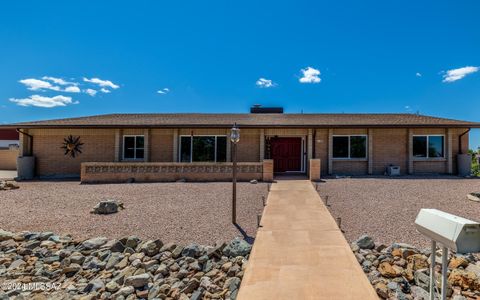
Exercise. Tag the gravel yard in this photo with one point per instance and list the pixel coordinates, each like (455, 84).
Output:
(385, 208)
(174, 212)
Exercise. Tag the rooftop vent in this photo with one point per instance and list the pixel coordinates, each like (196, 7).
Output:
(258, 109)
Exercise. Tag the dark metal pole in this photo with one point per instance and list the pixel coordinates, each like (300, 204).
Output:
(234, 181)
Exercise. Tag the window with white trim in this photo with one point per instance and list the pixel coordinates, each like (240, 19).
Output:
(428, 146)
(203, 148)
(133, 147)
(349, 146)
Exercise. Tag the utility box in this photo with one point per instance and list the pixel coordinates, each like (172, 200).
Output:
(393, 170)
(464, 162)
(454, 232)
(25, 167)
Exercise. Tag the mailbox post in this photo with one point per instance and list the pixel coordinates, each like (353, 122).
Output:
(452, 232)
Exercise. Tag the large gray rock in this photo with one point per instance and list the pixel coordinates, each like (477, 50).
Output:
(94, 285)
(107, 207)
(419, 294)
(94, 243)
(5, 235)
(151, 247)
(422, 279)
(237, 247)
(137, 280)
(192, 250)
(365, 242)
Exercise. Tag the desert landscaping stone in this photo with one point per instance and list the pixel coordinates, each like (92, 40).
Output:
(94, 269)
(237, 247)
(94, 243)
(474, 197)
(8, 185)
(365, 242)
(107, 207)
(402, 272)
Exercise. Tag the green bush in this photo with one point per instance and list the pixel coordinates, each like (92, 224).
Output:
(475, 164)
(475, 168)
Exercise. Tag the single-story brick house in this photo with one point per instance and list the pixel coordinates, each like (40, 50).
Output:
(195, 146)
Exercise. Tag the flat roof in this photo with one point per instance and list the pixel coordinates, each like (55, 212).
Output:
(226, 120)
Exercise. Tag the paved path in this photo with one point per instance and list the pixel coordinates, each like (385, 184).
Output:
(6, 174)
(299, 252)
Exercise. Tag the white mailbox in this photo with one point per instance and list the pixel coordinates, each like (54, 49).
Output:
(457, 233)
(453, 232)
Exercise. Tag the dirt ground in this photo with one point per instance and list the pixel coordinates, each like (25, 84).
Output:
(386, 208)
(173, 212)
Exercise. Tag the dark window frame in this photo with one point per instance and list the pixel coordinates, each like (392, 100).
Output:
(349, 136)
(191, 146)
(427, 146)
(135, 148)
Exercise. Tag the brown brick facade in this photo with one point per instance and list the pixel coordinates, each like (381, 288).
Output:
(386, 146)
(8, 159)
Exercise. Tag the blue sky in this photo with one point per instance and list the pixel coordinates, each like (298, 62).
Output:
(372, 56)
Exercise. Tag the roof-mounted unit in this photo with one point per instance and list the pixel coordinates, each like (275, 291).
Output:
(258, 109)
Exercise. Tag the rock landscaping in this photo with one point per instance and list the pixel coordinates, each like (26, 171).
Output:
(44, 265)
(7, 185)
(474, 197)
(401, 271)
(107, 207)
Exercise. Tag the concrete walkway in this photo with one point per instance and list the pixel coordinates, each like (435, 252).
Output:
(6, 174)
(300, 253)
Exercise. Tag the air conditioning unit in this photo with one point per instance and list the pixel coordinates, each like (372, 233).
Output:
(393, 170)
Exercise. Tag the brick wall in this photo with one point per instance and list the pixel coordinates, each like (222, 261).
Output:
(98, 145)
(321, 148)
(390, 146)
(8, 159)
(344, 167)
(161, 145)
(97, 172)
(248, 149)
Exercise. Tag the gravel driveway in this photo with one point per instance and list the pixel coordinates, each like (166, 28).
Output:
(385, 208)
(173, 212)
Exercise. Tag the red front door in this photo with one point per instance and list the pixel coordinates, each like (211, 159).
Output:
(286, 154)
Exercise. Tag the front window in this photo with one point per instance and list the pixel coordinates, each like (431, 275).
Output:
(203, 148)
(353, 146)
(428, 146)
(133, 147)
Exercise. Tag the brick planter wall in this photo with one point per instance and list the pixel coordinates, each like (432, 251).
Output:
(98, 172)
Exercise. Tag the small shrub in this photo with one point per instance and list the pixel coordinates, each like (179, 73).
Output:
(475, 168)
(475, 164)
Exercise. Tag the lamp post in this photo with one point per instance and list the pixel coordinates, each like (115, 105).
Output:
(234, 138)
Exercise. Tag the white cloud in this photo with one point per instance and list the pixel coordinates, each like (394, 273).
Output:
(41, 101)
(72, 89)
(265, 83)
(91, 92)
(418, 74)
(310, 75)
(163, 91)
(102, 83)
(457, 74)
(36, 84)
(59, 81)
(104, 90)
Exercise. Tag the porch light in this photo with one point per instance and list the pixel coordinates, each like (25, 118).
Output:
(235, 134)
(234, 138)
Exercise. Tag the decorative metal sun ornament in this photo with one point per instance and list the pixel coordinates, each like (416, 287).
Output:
(72, 146)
